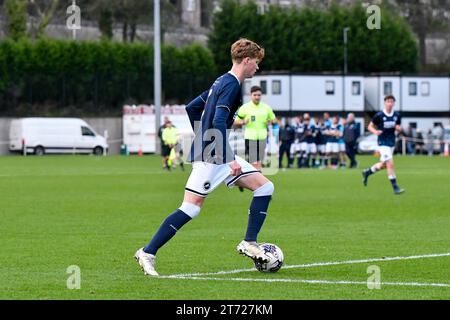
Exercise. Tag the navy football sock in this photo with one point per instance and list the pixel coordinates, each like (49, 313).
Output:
(393, 181)
(371, 170)
(167, 230)
(256, 216)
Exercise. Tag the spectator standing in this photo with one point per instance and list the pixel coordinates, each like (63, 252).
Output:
(255, 116)
(287, 137)
(351, 134)
(165, 150)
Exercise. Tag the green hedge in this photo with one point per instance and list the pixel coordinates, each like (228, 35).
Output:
(310, 40)
(51, 77)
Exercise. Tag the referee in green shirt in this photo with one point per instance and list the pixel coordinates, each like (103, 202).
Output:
(255, 116)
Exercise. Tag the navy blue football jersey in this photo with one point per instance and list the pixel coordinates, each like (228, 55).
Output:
(386, 123)
(300, 132)
(311, 133)
(321, 138)
(215, 109)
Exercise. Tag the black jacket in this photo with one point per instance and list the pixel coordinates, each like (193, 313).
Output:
(287, 134)
(351, 132)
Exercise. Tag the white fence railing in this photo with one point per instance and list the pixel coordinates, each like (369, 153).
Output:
(427, 144)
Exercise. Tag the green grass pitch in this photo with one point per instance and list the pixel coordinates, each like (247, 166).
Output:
(95, 212)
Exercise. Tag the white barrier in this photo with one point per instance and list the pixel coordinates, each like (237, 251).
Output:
(425, 141)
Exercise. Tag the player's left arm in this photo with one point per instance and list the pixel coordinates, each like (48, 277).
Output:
(195, 108)
(271, 118)
(165, 137)
(398, 126)
(227, 97)
(340, 131)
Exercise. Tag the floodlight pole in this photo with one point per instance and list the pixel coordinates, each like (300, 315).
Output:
(345, 31)
(157, 71)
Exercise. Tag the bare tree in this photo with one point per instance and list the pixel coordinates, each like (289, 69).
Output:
(425, 17)
(44, 11)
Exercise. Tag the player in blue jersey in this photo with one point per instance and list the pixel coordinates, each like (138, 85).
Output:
(384, 124)
(299, 149)
(333, 133)
(213, 162)
(341, 144)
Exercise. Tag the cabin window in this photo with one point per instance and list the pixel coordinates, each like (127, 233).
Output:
(263, 85)
(85, 131)
(262, 8)
(413, 88)
(356, 88)
(276, 87)
(247, 87)
(329, 87)
(425, 88)
(387, 88)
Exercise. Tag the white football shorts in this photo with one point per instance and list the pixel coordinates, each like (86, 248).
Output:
(386, 153)
(205, 177)
(303, 146)
(295, 147)
(332, 147)
(312, 148)
(321, 148)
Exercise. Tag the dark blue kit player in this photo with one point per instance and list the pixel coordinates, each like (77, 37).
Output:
(213, 162)
(385, 124)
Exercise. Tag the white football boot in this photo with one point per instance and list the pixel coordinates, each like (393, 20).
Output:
(252, 251)
(147, 262)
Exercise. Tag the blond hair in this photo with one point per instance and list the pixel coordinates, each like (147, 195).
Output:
(245, 48)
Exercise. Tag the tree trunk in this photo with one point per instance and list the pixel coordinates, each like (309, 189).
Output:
(132, 31)
(125, 32)
(423, 49)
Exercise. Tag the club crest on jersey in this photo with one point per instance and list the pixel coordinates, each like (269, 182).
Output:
(207, 185)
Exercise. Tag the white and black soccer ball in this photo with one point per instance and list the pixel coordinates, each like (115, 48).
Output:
(275, 255)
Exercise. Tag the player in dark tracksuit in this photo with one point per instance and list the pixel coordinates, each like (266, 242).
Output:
(351, 135)
(287, 137)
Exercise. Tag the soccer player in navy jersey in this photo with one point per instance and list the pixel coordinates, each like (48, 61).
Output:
(310, 145)
(384, 124)
(211, 115)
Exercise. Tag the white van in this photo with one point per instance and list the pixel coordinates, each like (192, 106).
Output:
(54, 135)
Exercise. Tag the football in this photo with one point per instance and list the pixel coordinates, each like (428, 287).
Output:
(275, 255)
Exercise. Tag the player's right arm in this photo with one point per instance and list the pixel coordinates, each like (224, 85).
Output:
(242, 115)
(372, 128)
(195, 108)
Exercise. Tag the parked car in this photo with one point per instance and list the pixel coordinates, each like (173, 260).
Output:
(368, 143)
(447, 134)
(54, 135)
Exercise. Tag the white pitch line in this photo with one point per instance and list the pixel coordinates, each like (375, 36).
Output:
(409, 284)
(317, 264)
(76, 174)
